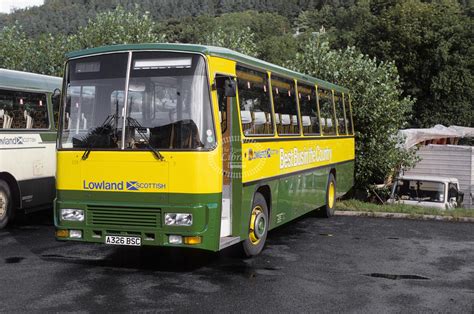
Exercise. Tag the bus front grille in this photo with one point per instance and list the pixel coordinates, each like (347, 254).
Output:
(135, 217)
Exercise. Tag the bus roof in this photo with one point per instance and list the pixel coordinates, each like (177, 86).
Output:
(28, 81)
(211, 51)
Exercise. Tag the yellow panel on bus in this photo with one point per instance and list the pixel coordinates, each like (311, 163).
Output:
(269, 159)
(180, 172)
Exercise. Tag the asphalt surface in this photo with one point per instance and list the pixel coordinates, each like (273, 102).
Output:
(342, 264)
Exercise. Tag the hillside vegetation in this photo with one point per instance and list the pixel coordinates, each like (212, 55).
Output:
(407, 62)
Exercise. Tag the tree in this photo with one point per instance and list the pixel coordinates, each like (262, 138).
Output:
(241, 40)
(15, 49)
(116, 27)
(431, 44)
(378, 106)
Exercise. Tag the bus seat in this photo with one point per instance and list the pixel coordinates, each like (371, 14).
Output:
(29, 120)
(285, 119)
(260, 122)
(306, 121)
(285, 123)
(220, 116)
(9, 121)
(246, 117)
(259, 118)
(294, 119)
(329, 123)
(40, 120)
(18, 119)
(323, 122)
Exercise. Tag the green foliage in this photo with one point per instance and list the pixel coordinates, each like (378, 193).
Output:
(432, 45)
(14, 46)
(430, 42)
(378, 106)
(46, 54)
(239, 39)
(116, 27)
(67, 16)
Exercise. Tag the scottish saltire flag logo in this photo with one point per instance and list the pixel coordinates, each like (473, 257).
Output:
(132, 186)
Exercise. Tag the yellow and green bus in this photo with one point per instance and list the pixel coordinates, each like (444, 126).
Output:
(211, 147)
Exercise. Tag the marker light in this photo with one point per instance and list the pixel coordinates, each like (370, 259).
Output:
(175, 239)
(72, 214)
(76, 234)
(192, 240)
(178, 219)
(62, 233)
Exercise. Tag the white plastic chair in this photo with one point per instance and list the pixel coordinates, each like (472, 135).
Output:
(259, 117)
(306, 121)
(246, 116)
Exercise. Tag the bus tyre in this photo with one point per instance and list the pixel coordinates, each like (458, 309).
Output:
(6, 204)
(328, 209)
(258, 227)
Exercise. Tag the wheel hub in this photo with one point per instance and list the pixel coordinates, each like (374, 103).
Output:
(258, 225)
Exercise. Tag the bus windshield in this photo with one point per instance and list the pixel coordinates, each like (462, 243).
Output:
(168, 104)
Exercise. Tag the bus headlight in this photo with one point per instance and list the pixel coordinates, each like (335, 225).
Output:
(72, 214)
(178, 219)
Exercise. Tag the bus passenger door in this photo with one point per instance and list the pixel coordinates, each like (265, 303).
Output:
(225, 86)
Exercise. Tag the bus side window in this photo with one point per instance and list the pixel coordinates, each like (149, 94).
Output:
(254, 101)
(309, 110)
(340, 114)
(326, 112)
(6, 107)
(23, 110)
(286, 106)
(347, 107)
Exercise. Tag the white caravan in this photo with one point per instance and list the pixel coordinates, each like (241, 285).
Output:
(427, 191)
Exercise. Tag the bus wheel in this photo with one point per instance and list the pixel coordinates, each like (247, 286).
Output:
(6, 206)
(258, 227)
(328, 209)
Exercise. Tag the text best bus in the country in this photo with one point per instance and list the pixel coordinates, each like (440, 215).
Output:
(27, 142)
(195, 146)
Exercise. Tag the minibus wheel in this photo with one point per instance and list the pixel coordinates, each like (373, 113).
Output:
(258, 227)
(329, 208)
(6, 205)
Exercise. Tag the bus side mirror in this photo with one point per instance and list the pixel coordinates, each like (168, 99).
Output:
(56, 95)
(230, 88)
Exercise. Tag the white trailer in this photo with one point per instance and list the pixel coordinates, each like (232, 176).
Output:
(448, 161)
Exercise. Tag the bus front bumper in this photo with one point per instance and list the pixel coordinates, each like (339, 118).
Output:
(101, 222)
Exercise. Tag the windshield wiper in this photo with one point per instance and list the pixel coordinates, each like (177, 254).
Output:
(134, 123)
(106, 125)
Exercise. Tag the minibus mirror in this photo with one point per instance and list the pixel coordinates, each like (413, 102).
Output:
(56, 94)
(230, 88)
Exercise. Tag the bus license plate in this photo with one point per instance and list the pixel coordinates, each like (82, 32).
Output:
(121, 240)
